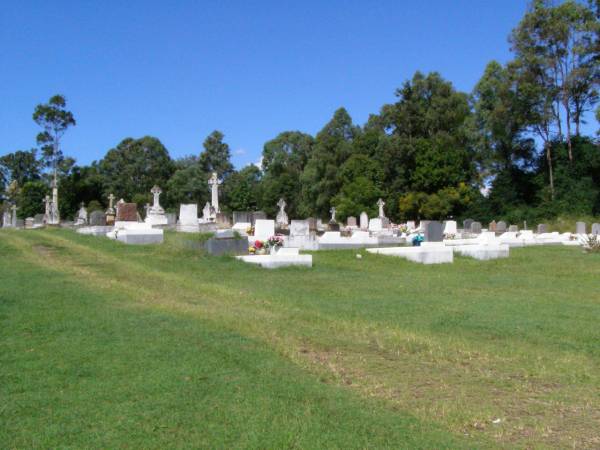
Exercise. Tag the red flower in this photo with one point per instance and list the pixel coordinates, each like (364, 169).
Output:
(258, 244)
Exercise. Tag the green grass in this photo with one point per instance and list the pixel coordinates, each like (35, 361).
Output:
(106, 345)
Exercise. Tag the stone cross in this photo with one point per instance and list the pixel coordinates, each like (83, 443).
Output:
(156, 191)
(381, 204)
(111, 209)
(332, 211)
(282, 204)
(214, 185)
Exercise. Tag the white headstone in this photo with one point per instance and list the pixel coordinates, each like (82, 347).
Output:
(364, 221)
(264, 229)
(282, 218)
(188, 214)
(450, 227)
(375, 225)
(299, 228)
(208, 213)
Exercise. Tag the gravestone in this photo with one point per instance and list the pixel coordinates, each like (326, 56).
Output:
(492, 226)
(467, 224)
(312, 224)
(218, 246)
(450, 227)
(6, 219)
(364, 221)
(580, 228)
(351, 221)
(513, 228)
(299, 228)
(264, 229)
(222, 220)
(542, 228)
(282, 219)
(28, 223)
(434, 231)
(97, 219)
(38, 219)
(501, 227)
(258, 215)
(476, 227)
(411, 225)
(171, 218)
(375, 225)
(596, 228)
(188, 214)
(333, 225)
(242, 217)
(127, 212)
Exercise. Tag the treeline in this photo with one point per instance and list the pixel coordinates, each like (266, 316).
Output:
(513, 148)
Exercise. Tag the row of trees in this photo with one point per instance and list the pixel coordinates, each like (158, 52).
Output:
(513, 148)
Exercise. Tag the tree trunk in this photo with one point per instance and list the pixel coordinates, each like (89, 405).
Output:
(551, 175)
(568, 123)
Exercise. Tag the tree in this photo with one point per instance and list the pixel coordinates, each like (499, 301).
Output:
(134, 166)
(216, 156)
(284, 159)
(557, 46)
(241, 190)
(188, 184)
(55, 120)
(333, 146)
(20, 166)
(30, 198)
(80, 184)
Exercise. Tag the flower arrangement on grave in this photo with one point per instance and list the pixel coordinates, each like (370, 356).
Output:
(259, 248)
(591, 244)
(250, 231)
(449, 236)
(403, 228)
(275, 241)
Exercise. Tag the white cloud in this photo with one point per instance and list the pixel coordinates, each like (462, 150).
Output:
(259, 163)
(239, 151)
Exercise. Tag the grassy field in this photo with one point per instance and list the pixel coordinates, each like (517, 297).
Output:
(107, 346)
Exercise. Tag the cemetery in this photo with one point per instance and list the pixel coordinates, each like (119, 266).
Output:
(326, 225)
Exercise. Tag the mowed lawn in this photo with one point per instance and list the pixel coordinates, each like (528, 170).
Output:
(104, 345)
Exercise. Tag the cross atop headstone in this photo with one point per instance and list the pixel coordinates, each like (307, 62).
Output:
(214, 187)
(332, 211)
(381, 204)
(282, 204)
(156, 208)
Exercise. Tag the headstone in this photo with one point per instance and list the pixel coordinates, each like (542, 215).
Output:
(54, 217)
(300, 228)
(214, 189)
(155, 214)
(6, 219)
(222, 220)
(476, 227)
(351, 221)
(14, 222)
(218, 246)
(282, 218)
(380, 205)
(312, 224)
(580, 228)
(333, 225)
(433, 231)
(596, 228)
(513, 228)
(492, 226)
(501, 227)
(82, 215)
(364, 221)
(375, 225)
(258, 215)
(411, 225)
(28, 223)
(171, 218)
(188, 214)
(542, 228)
(467, 224)
(264, 229)
(208, 213)
(242, 217)
(127, 212)
(38, 219)
(450, 227)
(97, 219)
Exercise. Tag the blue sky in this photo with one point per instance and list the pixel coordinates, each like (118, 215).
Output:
(179, 70)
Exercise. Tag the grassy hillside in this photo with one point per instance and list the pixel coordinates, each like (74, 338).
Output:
(107, 345)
